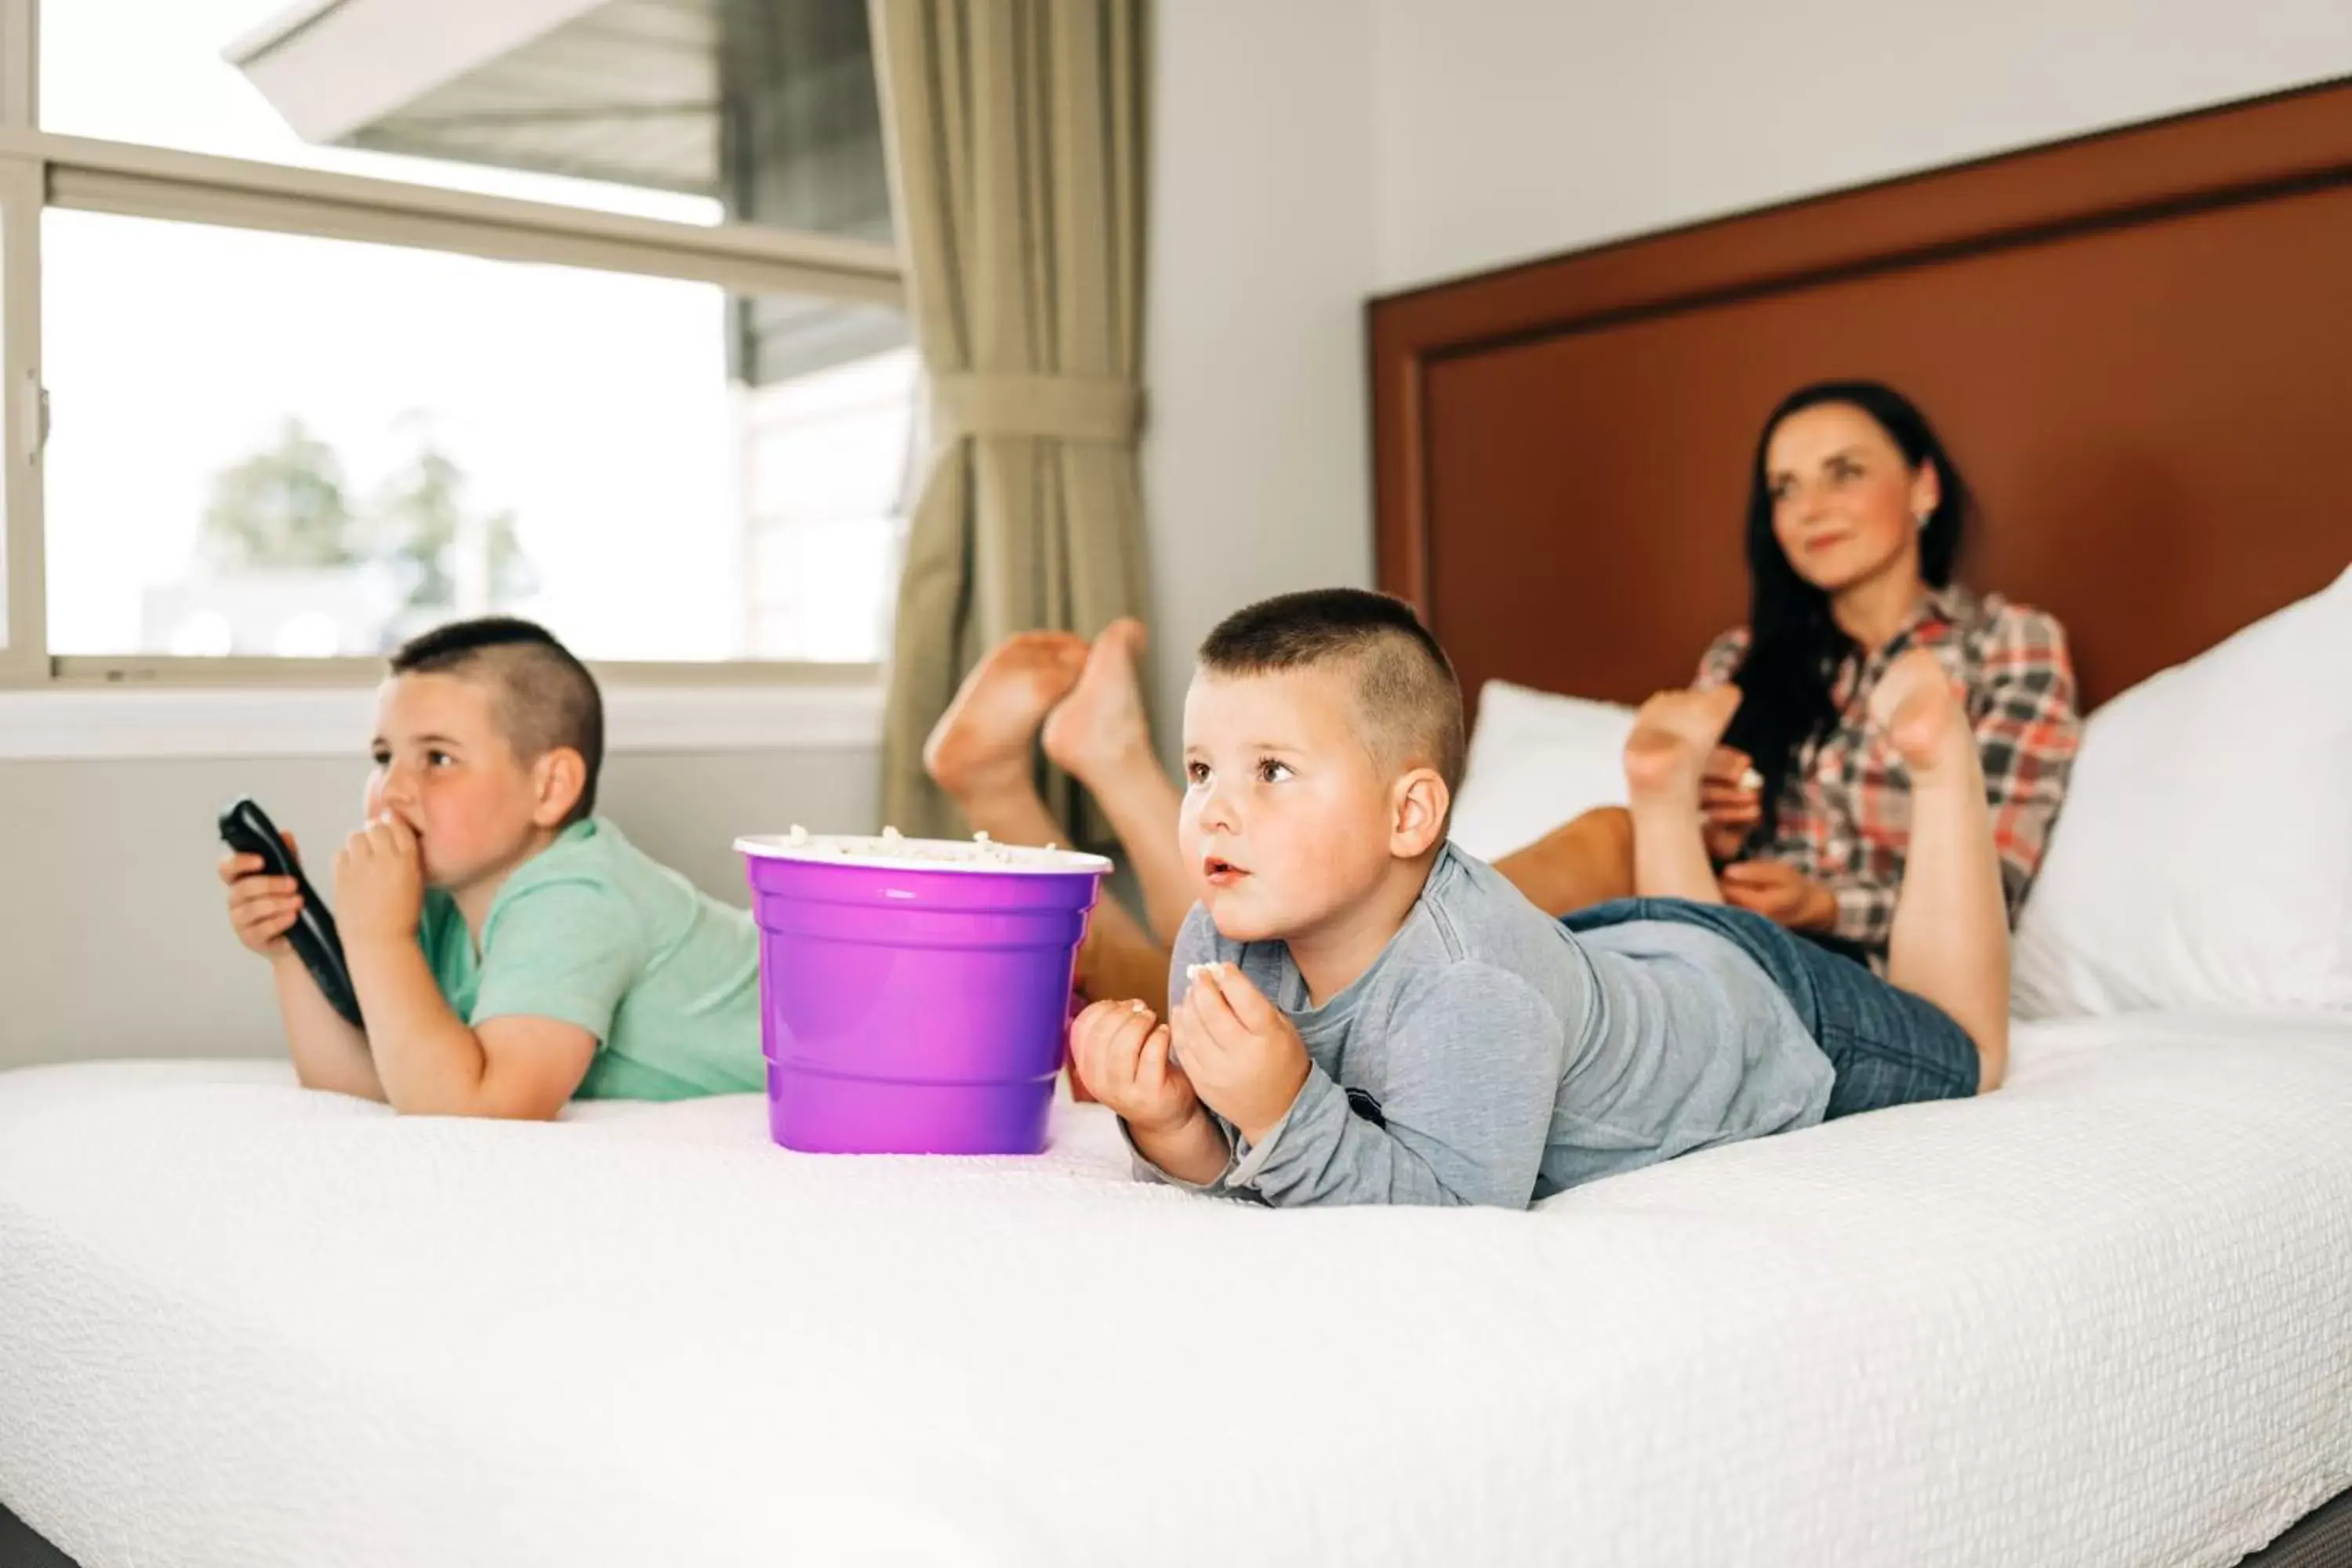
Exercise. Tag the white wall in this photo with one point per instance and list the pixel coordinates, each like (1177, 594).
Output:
(1511, 128)
(1255, 466)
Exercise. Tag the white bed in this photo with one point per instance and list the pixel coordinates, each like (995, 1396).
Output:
(2102, 1317)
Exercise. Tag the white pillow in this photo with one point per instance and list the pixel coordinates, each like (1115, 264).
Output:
(2203, 857)
(1537, 760)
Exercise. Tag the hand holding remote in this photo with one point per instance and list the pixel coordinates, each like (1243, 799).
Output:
(271, 901)
(261, 908)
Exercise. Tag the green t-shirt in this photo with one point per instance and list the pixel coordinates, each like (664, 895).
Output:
(596, 932)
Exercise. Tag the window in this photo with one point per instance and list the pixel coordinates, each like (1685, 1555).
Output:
(192, 75)
(485, 314)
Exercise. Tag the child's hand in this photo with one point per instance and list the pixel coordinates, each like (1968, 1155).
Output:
(380, 882)
(261, 910)
(1120, 1050)
(1242, 1052)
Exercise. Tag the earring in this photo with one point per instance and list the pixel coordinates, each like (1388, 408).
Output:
(1924, 518)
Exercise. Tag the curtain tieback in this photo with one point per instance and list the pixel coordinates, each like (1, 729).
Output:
(1063, 407)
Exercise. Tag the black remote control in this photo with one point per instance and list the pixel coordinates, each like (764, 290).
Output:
(246, 828)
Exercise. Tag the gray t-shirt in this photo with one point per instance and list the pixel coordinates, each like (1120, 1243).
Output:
(1490, 1056)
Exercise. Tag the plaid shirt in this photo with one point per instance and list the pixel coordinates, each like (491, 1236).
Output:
(1845, 808)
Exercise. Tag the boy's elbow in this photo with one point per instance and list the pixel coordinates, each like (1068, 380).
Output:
(485, 1101)
(1509, 1195)
(510, 1069)
(498, 1112)
(531, 1103)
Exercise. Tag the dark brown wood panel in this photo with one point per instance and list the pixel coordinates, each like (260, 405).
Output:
(2138, 347)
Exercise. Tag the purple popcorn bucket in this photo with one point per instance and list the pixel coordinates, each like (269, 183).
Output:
(914, 993)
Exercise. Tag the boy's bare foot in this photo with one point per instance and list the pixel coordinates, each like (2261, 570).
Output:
(1924, 718)
(1673, 734)
(1666, 762)
(1101, 723)
(1950, 938)
(982, 743)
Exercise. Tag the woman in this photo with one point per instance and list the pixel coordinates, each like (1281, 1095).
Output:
(1855, 515)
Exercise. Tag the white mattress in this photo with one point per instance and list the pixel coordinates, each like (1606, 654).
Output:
(2104, 1316)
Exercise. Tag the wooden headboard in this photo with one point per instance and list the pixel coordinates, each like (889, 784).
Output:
(2138, 346)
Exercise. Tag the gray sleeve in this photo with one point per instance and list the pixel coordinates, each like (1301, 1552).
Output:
(1196, 942)
(1473, 1068)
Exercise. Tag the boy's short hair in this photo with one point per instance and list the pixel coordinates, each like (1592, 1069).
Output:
(545, 697)
(1405, 686)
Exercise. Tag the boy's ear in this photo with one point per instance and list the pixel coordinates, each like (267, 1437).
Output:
(1421, 801)
(556, 781)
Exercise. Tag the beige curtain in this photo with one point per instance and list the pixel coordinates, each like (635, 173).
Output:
(1015, 130)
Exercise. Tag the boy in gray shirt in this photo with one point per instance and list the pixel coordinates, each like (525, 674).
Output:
(1361, 1013)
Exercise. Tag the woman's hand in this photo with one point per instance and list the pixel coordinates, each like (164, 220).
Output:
(1780, 893)
(1730, 801)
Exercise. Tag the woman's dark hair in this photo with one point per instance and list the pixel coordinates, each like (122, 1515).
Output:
(1795, 647)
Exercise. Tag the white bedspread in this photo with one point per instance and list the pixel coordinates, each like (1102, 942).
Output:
(2103, 1317)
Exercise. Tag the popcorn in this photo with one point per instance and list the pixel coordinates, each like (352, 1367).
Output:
(979, 853)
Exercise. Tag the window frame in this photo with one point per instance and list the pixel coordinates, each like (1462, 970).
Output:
(40, 170)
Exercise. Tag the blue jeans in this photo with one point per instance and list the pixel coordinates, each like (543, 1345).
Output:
(1888, 1047)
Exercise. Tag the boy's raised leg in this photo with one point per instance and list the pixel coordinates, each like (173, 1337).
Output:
(981, 751)
(1097, 735)
(1666, 761)
(1950, 937)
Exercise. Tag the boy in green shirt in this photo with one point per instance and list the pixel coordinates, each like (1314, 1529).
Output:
(509, 947)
